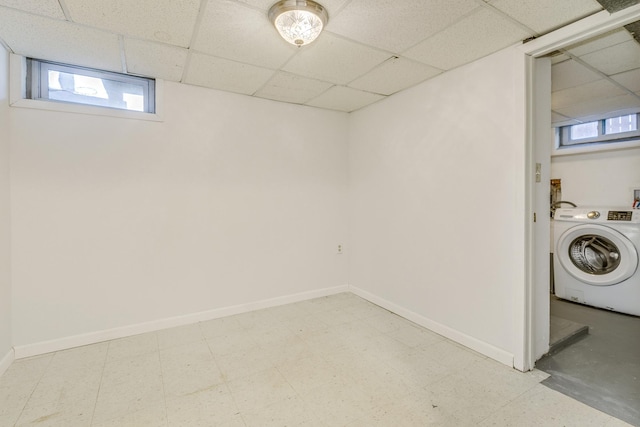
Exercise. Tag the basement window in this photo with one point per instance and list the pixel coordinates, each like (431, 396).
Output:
(66, 83)
(606, 130)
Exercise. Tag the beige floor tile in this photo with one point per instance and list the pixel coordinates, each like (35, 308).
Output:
(132, 346)
(308, 373)
(230, 343)
(179, 336)
(224, 326)
(176, 357)
(338, 402)
(288, 412)
(451, 355)
(330, 361)
(89, 356)
(120, 399)
(191, 379)
(239, 365)
(212, 407)
(64, 412)
(29, 369)
(260, 389)
(152, 416)
(136, 368)
(544, 406)
(462, 398)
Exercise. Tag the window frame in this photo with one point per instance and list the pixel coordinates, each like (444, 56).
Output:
(37, 83)
(564, 141)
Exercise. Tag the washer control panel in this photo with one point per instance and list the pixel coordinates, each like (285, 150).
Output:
(619, 216)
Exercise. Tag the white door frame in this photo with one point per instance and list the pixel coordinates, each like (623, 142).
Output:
(584, 29)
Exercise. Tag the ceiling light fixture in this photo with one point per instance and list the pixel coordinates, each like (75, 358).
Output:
(298, 21)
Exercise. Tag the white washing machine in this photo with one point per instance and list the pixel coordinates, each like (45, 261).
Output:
(596, 257)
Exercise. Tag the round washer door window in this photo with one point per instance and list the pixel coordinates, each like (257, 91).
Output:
(597, 255)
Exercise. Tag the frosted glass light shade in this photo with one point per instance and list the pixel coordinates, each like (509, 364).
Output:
(298, 21)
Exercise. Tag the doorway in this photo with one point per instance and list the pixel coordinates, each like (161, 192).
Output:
(543, 50)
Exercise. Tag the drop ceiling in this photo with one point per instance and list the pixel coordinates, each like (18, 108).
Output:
(369, 50)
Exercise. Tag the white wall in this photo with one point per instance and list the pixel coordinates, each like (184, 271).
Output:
(437, 204)
(229, 201)
(598, 179)
(5, 235)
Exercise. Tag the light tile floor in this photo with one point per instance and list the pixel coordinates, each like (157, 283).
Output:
(333, 361)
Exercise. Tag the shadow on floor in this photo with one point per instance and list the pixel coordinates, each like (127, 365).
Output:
(600, 368)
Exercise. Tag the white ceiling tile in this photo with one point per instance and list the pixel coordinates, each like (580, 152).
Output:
(588, 92)
(233, 31)
(50, 8)
(543, 16)
(397, 25)
(331, 6)
(155, 59)
(60, 41)
(476, 36)
(167, 21)
(598, 107)
(629, 79)
(334, 59)
(617, 59)
(603, 41)
(342, 98)
(569, 74)
(223, 74)
(394, 75)
(288, 87)
(558, 119)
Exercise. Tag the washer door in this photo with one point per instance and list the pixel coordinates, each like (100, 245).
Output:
(597, 255)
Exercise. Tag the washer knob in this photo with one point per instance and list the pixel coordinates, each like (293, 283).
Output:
(593, 215)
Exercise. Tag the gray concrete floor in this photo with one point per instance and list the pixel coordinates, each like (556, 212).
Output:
(601, 369)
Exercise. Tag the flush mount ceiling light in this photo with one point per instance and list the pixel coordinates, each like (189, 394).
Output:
(298, 21)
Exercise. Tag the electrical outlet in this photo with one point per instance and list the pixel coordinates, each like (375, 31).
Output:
(339, 250)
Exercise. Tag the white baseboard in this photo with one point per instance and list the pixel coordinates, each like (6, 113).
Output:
(29, 350)
(6, 361)
(454, 335)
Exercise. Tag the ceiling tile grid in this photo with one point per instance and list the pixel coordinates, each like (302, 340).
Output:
(397, 25)
(49, 8)
(616, 59)
(167, 21)
(370, 49)
(155, 59)
(473, 37)
(334, 59)
(344, 99)
(55, 40)
(393, 75)
(543, 16)
(223, 74)
(292, 88)
(233, 31)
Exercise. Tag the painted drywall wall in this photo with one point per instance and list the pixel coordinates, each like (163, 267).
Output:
(228, 201)
(603, 178)
(6, 342)
(437, 203)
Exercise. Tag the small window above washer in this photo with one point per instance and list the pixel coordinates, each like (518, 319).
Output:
(606, 130)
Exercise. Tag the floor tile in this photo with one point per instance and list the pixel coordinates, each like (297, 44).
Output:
(179, 336)
(330, 361)
(211, 407)
(288, 412)
(260, 389)
(132, 346)
(544, 406)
